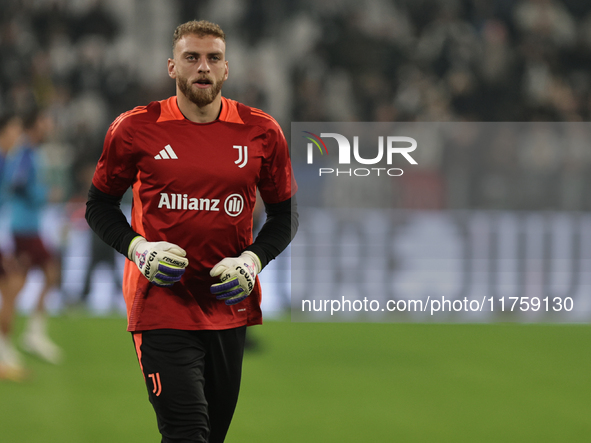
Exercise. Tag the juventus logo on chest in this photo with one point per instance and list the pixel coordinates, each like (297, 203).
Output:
(242, 156)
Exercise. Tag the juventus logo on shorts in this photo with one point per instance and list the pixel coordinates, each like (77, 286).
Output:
(156, 381)
(242, 156)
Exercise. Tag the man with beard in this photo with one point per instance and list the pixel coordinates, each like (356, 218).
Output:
(194, 162)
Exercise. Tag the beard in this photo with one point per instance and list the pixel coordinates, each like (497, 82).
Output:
(201, 97)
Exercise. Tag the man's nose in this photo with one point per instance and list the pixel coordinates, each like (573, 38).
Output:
(203, 66)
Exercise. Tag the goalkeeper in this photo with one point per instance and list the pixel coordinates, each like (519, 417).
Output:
(194, 162)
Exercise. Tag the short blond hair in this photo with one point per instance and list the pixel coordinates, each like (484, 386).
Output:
(200, 28)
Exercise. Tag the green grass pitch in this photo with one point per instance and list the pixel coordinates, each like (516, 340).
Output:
(328, 383)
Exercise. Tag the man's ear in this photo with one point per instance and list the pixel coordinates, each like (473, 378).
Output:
(171, 66)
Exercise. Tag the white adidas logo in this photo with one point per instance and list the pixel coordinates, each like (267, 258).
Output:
(166, 154)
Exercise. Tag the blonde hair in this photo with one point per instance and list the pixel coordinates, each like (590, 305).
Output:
(199, 28)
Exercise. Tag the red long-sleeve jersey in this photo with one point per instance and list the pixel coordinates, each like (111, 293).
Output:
(194, 184)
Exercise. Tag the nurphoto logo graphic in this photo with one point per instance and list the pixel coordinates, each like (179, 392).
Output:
(393, 145)
(314, 140)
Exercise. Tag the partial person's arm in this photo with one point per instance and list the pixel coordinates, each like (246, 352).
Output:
(238, 273)
(104, 216)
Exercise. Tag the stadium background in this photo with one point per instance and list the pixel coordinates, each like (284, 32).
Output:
(449, 61)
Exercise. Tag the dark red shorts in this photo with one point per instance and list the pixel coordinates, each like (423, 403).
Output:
(30, 251)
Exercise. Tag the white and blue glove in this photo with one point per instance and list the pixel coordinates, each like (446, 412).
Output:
(162, 263)
(238, 276)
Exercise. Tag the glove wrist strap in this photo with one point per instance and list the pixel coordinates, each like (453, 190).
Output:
(133, 245)
(255, 258)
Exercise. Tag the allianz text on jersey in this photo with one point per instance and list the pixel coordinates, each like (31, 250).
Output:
(233, 204)
(394, 145)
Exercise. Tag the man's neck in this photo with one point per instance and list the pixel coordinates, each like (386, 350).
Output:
(198, 114)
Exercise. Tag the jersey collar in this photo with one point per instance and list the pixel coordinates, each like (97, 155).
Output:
(169, 110)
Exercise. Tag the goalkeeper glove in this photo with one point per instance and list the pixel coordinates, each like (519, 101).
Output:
(162, 263)
(238, 276)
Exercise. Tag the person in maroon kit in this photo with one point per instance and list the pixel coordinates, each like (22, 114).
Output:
(194, 162)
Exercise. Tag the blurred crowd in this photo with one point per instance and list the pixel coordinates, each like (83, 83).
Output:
(327, 60)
